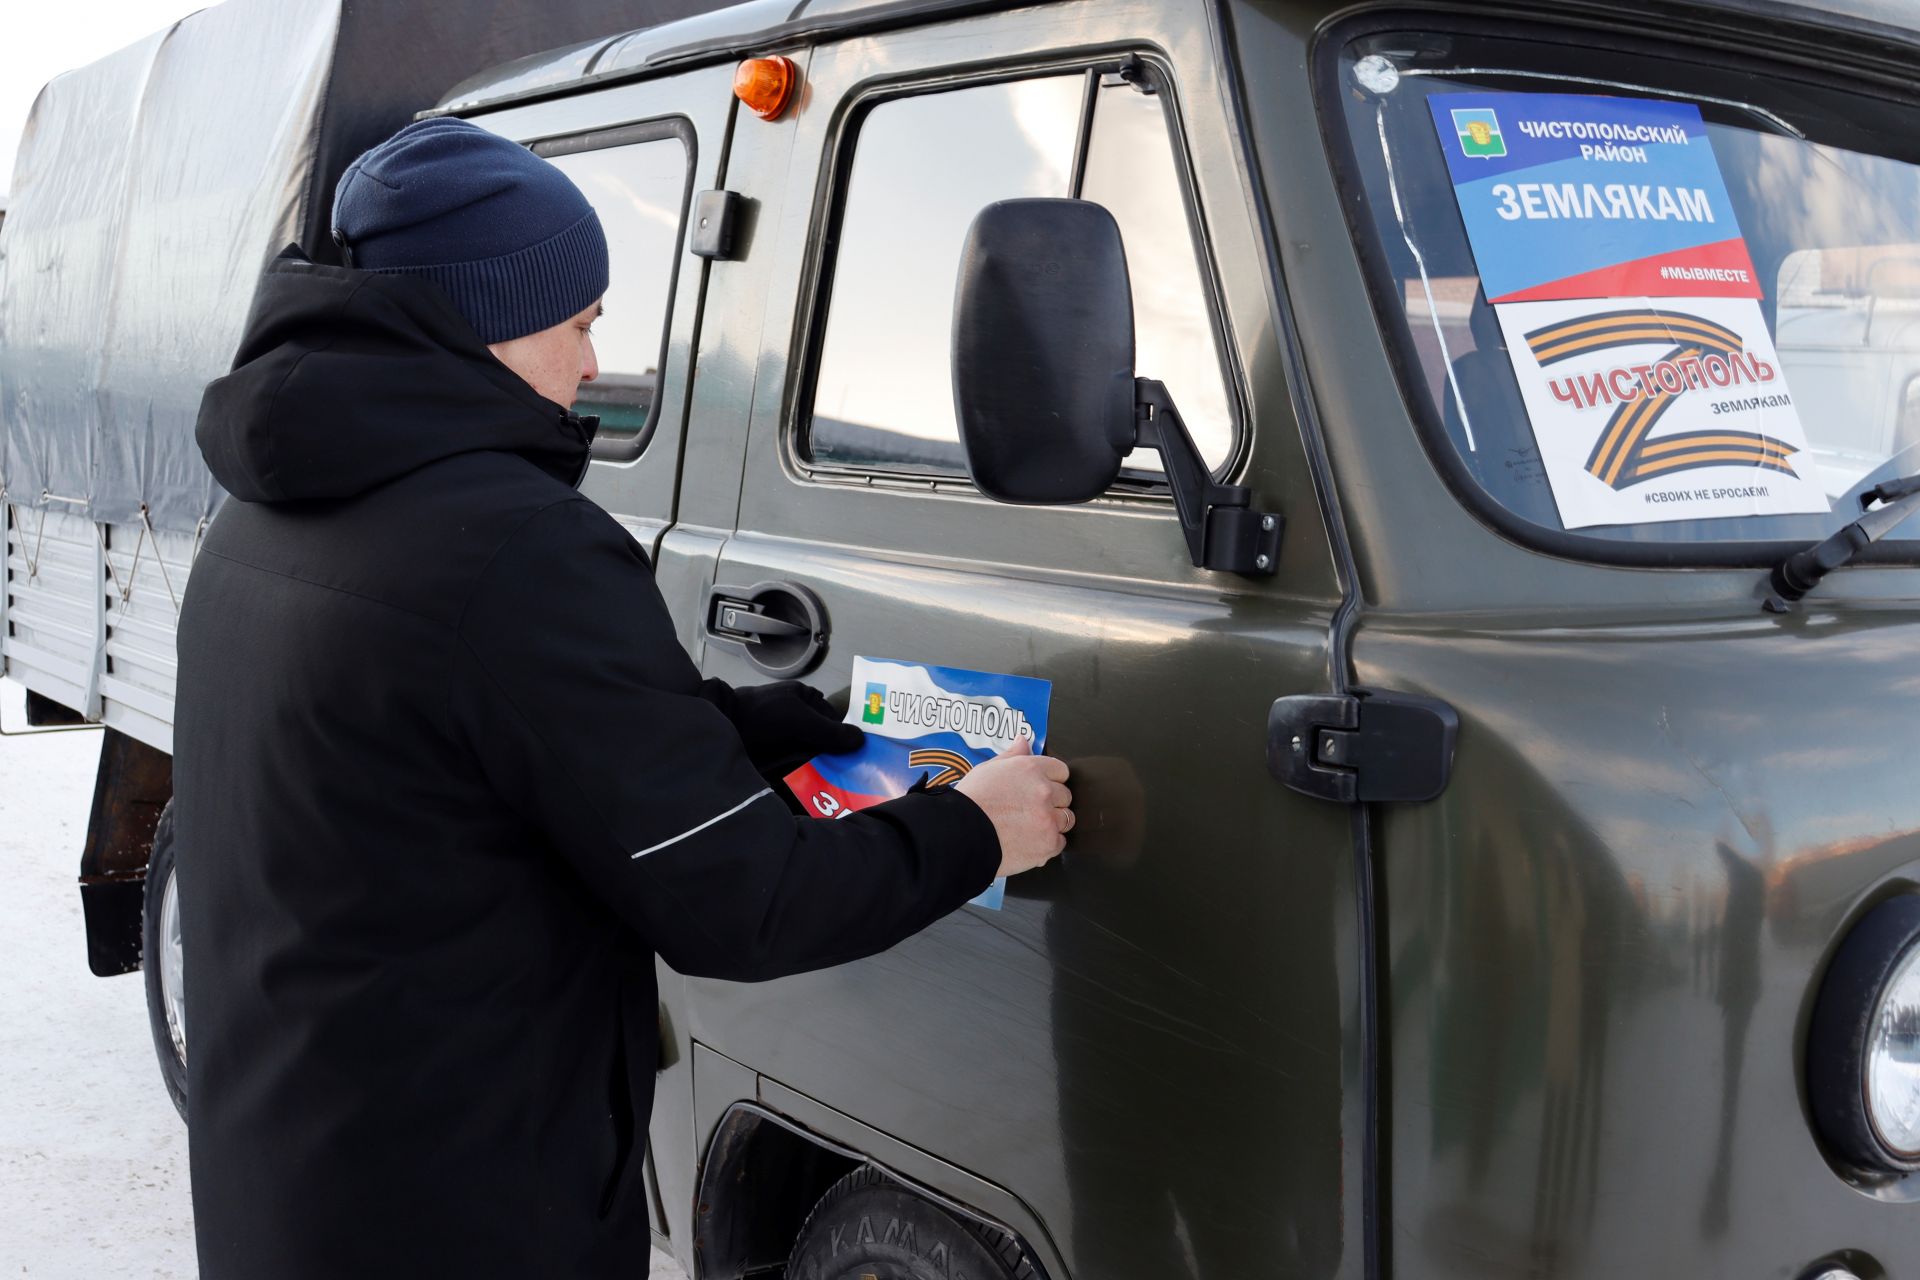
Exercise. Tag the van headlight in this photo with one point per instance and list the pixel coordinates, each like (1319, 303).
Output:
(1863, 1049)
(1893, 1060)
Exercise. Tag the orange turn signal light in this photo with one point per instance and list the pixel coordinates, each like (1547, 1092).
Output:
(766, 85)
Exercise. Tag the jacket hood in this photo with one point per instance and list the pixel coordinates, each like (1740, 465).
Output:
(346, 379)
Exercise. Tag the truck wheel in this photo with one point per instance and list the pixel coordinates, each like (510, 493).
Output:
(160, 956)
(869, 1227)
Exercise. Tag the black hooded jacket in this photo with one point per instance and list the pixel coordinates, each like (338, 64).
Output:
(445, 784)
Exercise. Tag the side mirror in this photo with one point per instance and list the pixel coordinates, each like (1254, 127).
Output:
(1043, 384)
(1043, 351)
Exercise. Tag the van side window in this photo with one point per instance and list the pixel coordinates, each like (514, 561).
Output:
(640, 192)
(923, 168)
(1131, 170)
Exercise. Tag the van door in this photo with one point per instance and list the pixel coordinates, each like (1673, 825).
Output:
(1154, 1043)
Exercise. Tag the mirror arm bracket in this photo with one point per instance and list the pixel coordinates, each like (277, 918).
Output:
(1223, 530)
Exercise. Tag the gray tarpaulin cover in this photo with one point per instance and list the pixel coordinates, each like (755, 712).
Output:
(152, 186)
(133, 244)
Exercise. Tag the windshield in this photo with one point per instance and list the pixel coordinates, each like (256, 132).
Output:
(1636, 299)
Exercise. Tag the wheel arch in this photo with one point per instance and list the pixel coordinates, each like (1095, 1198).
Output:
(763, 1172)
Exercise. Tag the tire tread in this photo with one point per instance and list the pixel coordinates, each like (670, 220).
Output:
(159, 863)
(1002, 1244)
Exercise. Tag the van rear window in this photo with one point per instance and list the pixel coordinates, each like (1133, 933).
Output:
(639, 190)
(1635, 299)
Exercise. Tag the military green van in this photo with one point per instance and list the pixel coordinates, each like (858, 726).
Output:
(1454, 464)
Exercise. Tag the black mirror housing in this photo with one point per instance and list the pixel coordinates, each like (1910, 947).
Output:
(1043, 384)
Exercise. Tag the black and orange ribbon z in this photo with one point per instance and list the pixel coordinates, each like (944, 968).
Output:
(1626, 453)
(950, 765)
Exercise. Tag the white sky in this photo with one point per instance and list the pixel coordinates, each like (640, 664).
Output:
(41, 38)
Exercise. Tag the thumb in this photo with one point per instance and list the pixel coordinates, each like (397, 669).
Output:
(1020, 747)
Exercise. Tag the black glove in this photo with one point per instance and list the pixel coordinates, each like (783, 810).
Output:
(786, 724)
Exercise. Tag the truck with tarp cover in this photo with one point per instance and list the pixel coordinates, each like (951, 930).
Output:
(149, 189)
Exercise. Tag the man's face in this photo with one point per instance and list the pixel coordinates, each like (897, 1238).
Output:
(554, 361)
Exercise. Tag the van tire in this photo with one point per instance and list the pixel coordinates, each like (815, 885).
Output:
(867, 1224)
(153, 959)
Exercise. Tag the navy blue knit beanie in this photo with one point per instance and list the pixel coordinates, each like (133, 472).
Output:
(506, 235)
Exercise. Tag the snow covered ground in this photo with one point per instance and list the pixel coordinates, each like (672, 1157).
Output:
(93, 1158)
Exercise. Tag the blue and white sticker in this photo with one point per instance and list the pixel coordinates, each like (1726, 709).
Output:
(1579, 196)
(923, 721)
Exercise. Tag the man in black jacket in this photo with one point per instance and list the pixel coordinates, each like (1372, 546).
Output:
(445, 780)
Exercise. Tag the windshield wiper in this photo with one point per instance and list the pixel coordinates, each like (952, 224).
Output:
(1796, 575)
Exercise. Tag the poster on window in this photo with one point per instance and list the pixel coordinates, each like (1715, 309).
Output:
(1578, 196)
(1653, 409)
(922, 721)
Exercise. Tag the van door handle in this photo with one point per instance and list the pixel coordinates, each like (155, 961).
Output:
(781, 626)
(736, 620)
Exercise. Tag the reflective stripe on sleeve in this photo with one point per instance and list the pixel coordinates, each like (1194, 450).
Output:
(694, 831)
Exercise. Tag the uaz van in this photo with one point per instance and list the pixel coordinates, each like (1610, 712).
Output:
(1453, 464)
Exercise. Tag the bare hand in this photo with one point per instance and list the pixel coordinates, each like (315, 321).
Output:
(1027, 798)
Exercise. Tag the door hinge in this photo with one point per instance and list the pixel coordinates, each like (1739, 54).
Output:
(1362, 747)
